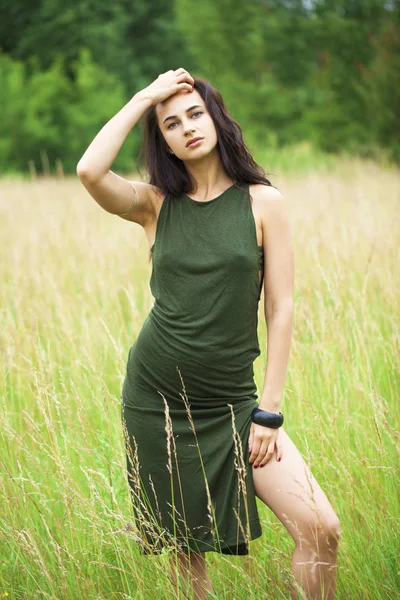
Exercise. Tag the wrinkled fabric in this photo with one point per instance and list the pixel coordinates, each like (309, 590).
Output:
(189, 386)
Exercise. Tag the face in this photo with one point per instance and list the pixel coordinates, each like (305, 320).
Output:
(183, 117)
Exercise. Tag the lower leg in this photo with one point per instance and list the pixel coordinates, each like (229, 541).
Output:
(314, 568)
(200, 577)
(179, 591)
(194, 573)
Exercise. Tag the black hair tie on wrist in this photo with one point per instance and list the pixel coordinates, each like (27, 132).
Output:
(266, 418)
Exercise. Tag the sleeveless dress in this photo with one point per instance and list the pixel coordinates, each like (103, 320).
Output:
(189, 386)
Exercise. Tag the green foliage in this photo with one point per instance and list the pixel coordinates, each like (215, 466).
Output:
(95, 97)
(295, 73)
(131, 40)
(48, 118)
(228, 41)
(223, 37)
(381, 90)
(290, 71)
(30, 111)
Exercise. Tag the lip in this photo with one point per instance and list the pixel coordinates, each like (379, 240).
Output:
(190, 142)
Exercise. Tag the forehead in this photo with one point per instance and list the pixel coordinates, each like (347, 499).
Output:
(178, 104)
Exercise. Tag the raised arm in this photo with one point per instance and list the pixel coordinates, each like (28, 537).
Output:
(132, 200)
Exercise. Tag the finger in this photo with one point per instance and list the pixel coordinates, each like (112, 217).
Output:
(184, 79)
(184, 76)
(269, 454)
(250, 442)
(184, 83)
(184, 86)
(261, 454)
(258, 440)
(182, 71)
(279, 450)
(254, 450)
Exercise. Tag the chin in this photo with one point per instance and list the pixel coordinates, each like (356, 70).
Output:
(202, 150)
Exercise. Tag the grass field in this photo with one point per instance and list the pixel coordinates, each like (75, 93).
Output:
(74, 294)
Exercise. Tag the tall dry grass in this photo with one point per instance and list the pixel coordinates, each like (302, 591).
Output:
(74, 294)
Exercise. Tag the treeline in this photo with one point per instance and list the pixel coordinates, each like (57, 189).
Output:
(327, 71)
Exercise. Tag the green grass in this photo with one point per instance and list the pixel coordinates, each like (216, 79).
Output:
(74, 294)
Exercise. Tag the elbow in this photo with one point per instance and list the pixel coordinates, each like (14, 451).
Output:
(82, 172)
(87, 174)
(84, 169)
(278, 309)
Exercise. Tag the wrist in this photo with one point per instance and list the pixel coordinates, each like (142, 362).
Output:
(270, 404)
(143, 98)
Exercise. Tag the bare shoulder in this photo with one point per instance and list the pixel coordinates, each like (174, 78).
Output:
(268, 202)
(266, 197)
(270, 209)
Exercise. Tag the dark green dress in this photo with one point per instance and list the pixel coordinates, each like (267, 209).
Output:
(189, 387)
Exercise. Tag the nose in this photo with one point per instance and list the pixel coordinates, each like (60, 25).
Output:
(188, 127)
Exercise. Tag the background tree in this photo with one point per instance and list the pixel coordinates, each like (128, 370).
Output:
(325, 71)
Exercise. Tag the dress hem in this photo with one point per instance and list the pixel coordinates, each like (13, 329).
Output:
(233, 548)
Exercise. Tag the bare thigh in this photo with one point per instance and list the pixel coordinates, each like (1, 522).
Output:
(291, 491)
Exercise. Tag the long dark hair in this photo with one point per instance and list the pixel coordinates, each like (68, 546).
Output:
(168, 172)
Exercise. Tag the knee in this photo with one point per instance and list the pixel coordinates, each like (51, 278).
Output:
(324, 531)
(329, 529)
(333, 527)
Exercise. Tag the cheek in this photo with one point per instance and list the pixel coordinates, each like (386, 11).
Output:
(211, 130)
(170, 139)
(212, 136)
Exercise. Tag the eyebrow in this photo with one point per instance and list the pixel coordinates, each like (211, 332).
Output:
(187, 110)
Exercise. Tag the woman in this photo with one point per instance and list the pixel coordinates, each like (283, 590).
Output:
(200, 448)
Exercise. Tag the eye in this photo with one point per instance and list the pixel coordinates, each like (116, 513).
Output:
(198, 112)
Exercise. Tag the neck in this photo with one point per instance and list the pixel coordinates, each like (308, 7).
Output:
(208, 176)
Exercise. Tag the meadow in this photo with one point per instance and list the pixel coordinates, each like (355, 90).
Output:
(74, 290)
